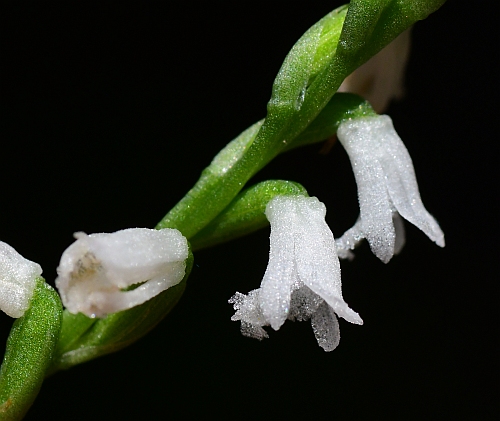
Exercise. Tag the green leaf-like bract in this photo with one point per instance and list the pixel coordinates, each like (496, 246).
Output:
(245, 214)
(29, 352)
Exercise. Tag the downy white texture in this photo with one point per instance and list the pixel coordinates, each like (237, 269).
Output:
(386, 184)
(354, 235)
(381, 79)
(95, 269)
(302, 279)
(17, 281)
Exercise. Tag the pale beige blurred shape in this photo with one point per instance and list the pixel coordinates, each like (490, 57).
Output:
(381, 79)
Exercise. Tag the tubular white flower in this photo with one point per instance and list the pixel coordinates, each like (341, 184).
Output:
(386, 184)
(17, 281)
(95, 270)
(302, 279)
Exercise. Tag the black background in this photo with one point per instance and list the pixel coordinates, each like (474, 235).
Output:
(110, 111)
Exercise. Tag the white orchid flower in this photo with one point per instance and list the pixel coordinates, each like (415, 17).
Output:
(17, 281)
(387, 186)
(302, 279)
(96, 272)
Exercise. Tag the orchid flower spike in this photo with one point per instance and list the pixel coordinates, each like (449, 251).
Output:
(302, 279)
(17, 281)
(387, 186)
(96, 272)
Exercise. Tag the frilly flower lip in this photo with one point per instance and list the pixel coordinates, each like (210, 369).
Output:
(98, 272)
(302, 279)
(17, 281)
(386, 185)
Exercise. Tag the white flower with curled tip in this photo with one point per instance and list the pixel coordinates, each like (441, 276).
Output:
(17, 281)
(387, 188)
(302, 279)
(97, 269)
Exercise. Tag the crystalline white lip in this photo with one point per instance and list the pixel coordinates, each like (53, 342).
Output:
(17, 281)
(302, 279)
(386, 183)
(96, 268)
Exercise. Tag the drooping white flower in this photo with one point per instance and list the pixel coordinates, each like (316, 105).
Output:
(17, 281)
(302, 279)
(97, 269)
(386, 185)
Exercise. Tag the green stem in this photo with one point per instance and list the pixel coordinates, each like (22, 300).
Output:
(231, 169)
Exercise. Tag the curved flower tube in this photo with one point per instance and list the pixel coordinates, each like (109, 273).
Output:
(386, 184)
(302, 279)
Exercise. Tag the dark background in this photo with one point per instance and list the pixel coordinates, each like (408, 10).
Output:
(109, 113)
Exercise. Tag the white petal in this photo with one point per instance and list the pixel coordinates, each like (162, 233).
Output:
(360, 140)
(354, 235)
(280, 278)
(402, 182)
(326, 327)
(95, 268)
(349, 241)
(308, 247)
(317, 262)
(17, 281)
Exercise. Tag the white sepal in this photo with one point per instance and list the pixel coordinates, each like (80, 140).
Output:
(17, 281)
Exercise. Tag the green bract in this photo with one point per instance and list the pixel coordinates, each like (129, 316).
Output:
(29, 352)
(245, 214)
